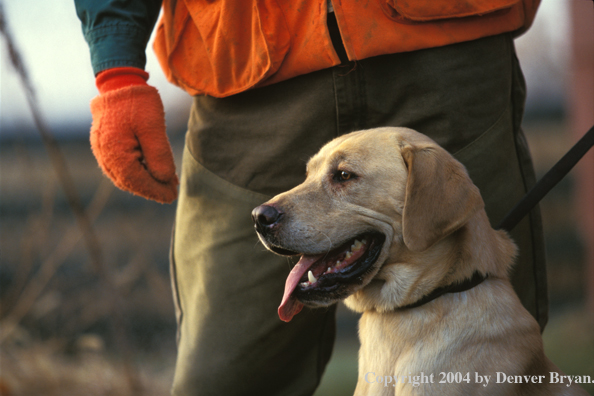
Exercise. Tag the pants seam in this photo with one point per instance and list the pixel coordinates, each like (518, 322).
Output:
(534, 215)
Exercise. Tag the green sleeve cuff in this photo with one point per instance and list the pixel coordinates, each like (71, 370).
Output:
(117, 31)
(117, 45)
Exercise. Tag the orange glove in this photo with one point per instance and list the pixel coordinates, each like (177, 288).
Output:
(128, 135)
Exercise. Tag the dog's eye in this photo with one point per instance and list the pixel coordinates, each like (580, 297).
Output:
(342, 176)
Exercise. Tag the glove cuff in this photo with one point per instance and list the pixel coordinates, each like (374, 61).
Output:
(120, 77)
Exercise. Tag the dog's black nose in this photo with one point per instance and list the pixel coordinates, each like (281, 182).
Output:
(265, 215)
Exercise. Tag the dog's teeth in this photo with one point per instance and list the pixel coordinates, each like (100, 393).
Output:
(311, 277)
(356, 246)
(329, 269)
(348, 255)
(337, 263)
(304, 284)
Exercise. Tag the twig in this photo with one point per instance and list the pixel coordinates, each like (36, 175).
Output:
(37, 232)
(88, 233)
(53, 150)
(51, 264)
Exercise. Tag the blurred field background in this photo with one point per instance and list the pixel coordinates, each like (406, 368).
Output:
(71, 326)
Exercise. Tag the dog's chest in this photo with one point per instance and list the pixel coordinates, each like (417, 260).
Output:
(399, 349)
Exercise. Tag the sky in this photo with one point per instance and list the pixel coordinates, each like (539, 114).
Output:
(49, 36)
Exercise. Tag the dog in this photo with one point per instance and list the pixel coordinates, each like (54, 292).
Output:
(391, 223)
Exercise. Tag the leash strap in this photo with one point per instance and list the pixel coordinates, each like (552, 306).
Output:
(548, 181)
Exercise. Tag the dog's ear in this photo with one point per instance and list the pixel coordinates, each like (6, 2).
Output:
(440, 197)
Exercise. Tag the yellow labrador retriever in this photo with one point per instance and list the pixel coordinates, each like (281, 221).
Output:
(389, 221)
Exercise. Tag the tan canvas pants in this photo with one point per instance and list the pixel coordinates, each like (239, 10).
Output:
(243, 149)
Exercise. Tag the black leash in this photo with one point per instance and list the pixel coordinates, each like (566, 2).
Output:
(548, 181)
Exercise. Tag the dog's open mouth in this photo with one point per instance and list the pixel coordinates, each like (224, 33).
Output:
(327, 276)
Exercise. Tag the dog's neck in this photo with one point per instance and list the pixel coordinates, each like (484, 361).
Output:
(458, 287)
(408, 278)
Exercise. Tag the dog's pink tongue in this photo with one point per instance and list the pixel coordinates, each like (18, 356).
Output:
(290, 306)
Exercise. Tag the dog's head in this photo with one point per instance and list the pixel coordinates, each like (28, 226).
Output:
(367, 196)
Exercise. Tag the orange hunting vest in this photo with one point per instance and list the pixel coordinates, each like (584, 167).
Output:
(223, 47)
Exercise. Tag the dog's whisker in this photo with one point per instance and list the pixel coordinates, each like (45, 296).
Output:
(259, 242)
(331, 245)
(289, 263)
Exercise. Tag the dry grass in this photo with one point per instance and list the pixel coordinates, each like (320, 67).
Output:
(44, 369)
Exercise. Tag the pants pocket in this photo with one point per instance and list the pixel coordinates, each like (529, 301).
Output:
(228, 286)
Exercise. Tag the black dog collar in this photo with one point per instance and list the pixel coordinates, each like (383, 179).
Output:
(477, 279)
